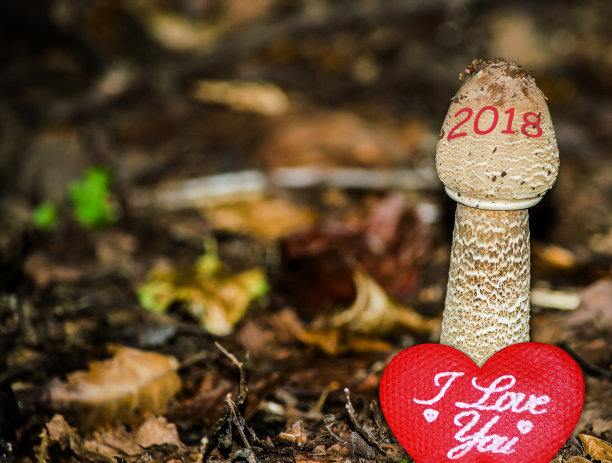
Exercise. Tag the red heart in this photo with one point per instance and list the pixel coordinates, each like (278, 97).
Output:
(520, 407)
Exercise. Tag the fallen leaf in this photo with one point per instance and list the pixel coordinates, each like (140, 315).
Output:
(174, 31)
(214, 297)
(391, 244)
(340, 139)
(573, 459)
(296, 434)
(119, 389)
(359, 328)
(374, 313)
(58, 438)
(265, 218)
(157, 431)
(553, 256)
(58, 433)
(335, 341)
(598, 449)
(257, 97)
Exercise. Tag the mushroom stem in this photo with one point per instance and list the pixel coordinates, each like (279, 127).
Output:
(487, 299)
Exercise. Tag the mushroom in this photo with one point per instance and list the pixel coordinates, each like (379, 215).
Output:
(497, 156)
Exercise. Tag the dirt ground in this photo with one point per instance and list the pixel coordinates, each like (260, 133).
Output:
(215, 201)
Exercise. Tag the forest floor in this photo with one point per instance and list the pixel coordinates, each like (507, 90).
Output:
(240, 221)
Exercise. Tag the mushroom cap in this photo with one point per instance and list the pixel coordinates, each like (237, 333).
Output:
(487, 168)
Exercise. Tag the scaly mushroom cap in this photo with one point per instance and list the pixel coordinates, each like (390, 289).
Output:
(487, 168)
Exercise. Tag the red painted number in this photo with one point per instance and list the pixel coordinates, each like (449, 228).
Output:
(493, 124)
(530, 119)
(510, 113)
(452, 133)
(535, 124)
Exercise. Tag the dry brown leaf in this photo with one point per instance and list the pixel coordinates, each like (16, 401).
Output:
(118, 389)
(267, 219)
(340, 139)
(358, 328)
(575, 460)
(259, 97)
(103, 446)
(317, 265)
(374, 313)
(597, 449)
(57, 432)
(295, 433)
(157, 431)
(112, 442)
(553, 256)
(335, 341)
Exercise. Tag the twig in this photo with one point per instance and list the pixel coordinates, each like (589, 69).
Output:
(242, 369)
(354, 177)
(329, 420)
(381, 426)
(234, 186)
(232, 407)
(317, 408)
(229, 355)
(365, 432)
(229, 406)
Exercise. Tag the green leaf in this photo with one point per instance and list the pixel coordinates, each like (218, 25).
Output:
(211, 294)
(44, 216)
(91, 198)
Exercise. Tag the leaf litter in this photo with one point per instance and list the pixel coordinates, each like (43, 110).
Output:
(214, 297)
(347, 122)
(120, 389)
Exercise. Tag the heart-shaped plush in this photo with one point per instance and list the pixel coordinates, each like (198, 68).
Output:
(520, 407)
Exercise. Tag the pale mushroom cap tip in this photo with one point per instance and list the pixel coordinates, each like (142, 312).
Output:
(480, 165)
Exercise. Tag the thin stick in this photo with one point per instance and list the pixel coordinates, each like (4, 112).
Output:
(366, 433)
(232, 407)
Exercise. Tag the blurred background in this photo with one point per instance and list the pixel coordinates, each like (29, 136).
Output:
(146, 144)
(168, 90)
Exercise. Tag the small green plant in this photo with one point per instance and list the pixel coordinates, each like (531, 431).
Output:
(91, 198)
(44, 217)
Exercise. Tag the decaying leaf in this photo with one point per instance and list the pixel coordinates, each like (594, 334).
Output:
(265, 218)
(358, 328)
(157, 431)
(59, 439)
(119, 389)
(317, 264)
(258, 97)
(217, 299)
(374, 313)
(58, 432)
(335, 341)
(597, 449)
(295, 433)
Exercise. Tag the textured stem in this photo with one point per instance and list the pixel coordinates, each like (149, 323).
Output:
(487, 299)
